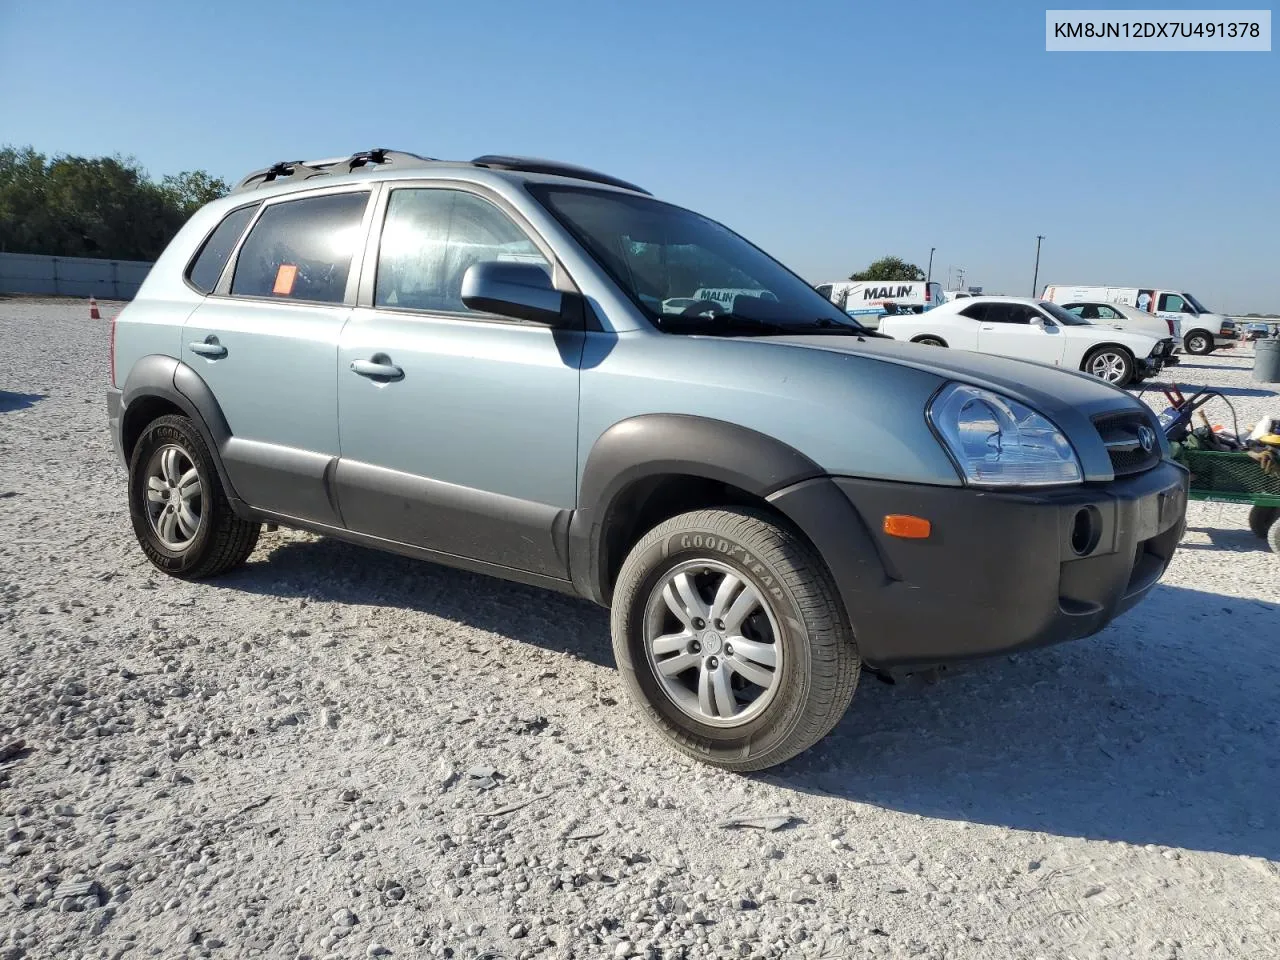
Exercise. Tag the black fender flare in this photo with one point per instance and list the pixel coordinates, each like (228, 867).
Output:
(157, 375)
(655, 445)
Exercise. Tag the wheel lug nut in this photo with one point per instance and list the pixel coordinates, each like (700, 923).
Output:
(719, 624)
(728, 650)
(699, 623)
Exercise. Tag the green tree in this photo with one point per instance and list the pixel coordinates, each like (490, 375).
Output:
(70, 206)
(192, 189)
(889, 268)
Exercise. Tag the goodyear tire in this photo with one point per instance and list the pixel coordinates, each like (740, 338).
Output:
(731, 640)
(179, 510)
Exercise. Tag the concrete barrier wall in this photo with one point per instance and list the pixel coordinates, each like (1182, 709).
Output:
(71, 276)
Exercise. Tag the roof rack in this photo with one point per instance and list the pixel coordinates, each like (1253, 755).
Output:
(554, 168)
(305, 169)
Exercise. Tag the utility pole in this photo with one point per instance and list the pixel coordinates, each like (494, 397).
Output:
(929, 276)
(1036, 279)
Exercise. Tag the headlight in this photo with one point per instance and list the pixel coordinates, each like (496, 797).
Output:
(998, 442)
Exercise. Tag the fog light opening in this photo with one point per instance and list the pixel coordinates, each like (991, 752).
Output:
(1086, 531)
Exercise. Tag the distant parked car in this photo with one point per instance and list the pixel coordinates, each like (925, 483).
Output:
(1029, 329)
(1125, 317)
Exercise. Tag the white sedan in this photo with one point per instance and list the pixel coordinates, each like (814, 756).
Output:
(1028, 329)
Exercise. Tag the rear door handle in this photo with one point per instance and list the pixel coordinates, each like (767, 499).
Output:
(379, 368)
(208, 347)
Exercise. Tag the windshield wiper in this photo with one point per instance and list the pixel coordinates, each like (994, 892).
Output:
(737, 325)
(726, 324)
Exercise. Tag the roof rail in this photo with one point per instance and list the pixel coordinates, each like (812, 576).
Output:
(305, 169)
(554, 168)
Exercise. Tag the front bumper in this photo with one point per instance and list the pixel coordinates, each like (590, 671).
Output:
(1000, 571)
(1149, 366)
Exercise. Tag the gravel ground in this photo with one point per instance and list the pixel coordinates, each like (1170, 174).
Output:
(337, 753)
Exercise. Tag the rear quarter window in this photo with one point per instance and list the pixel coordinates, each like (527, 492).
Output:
(206, 268)
(302, 249)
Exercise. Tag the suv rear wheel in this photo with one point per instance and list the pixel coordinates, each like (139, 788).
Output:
(730, 637)
(180, 513)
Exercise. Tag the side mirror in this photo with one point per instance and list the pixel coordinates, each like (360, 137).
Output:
(522, 291)
(1036, 321)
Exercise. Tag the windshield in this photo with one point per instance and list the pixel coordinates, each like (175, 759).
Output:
(1200, 308)
(1064, 317)
(687, 273)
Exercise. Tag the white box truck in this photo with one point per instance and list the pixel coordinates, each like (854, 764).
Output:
(1203, 331)
(869, 300)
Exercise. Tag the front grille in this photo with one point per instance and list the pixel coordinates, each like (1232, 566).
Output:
(1122, 435)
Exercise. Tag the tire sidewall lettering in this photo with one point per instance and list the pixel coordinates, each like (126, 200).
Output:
(692, 542)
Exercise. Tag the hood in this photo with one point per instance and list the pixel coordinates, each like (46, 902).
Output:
(1141, 342)
(1070, 399)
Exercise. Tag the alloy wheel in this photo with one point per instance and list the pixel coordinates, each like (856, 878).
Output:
(175, 502)
(1108, 366)
(713, 642)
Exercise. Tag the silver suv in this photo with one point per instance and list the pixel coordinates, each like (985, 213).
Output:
(544, 373)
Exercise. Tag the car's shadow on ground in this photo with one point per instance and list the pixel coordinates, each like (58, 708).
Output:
(19, 401)
(1163, 729)
(1237, 541)
(330, 570)
(1243, 392)
(1173, 371)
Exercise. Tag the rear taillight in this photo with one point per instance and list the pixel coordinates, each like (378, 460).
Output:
(112, 352)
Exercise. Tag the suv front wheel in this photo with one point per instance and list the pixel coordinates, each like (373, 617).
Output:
(730, 637)
(180, 513)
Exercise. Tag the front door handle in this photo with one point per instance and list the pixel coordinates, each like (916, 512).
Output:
(379, 368)
(208, 347)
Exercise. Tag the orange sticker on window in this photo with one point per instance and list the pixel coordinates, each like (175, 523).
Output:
(285, 276)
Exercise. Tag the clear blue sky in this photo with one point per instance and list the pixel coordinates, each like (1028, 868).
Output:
(828, 132)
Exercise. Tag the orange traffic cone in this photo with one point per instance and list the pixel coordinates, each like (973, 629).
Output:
(93, 309)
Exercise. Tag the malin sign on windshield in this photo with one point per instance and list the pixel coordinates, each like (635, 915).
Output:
(1158, 30)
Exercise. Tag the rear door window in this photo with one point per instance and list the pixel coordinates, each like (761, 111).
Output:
(207, 266)
(302, 249)
(975, 311)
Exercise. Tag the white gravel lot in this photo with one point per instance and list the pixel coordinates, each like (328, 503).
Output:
(275, 763)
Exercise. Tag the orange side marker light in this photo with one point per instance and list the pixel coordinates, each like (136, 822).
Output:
(906, 526)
